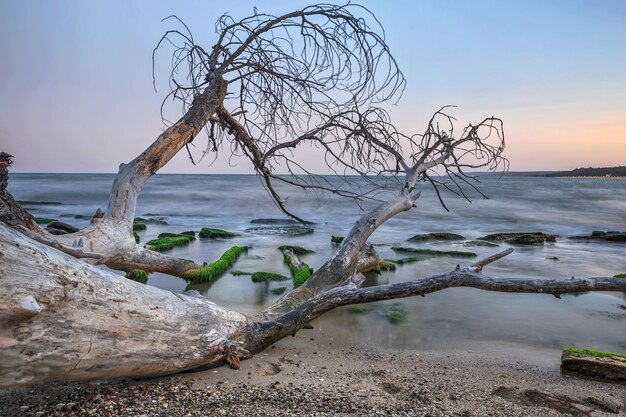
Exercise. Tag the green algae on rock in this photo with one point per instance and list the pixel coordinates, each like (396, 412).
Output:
(139, 227)
(336, 239)
(610, 236)
(521, 238)
(298, 250)
(137, 238)
(432, 252)
(619, 276)
(408, 260)
(139, 275)
(238, 273)
(279, 290)
(43, 220)
(300, 273)
(166, 243)
(268, 276)
(210, 233)
(216, 269)
(436, 236)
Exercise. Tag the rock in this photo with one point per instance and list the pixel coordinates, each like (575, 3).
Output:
(521, 238)
(56, 232)
(43, 220)
(62, 226)
(281, 230)
(436, 236)
(153, 220)
(610, 236)
(274, 221)
(336, 239)
(268, 276)
(210, 233)
(139, 227)
(592, 364)
(432, 252)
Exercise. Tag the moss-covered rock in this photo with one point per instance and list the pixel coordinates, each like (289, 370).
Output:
(432, 252)
(610, 236)
(238, 273)
(479, 243)
(436, 236)
(592, 364)
(43, 220)
(268, 276)
(139, 226)
(281, 230)
(57, 225)
(151, 220)
(298, 250)
(521, 238)
(620, 276)
(190, 235)
(382, 266)
(216, 269)
(395, 313)
(137, 238)
(336, 239)
(167, 243)
(139, 275)
(299, 275)
(210, 233)
(408, 260)
(279, 290)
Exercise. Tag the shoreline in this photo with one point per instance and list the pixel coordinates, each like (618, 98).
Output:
(328, 374)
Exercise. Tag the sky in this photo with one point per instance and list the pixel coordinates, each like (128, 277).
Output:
(76, 90)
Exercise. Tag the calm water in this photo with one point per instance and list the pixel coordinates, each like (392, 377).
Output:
(452, 317)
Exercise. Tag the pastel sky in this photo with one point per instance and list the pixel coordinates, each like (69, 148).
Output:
(76, 83)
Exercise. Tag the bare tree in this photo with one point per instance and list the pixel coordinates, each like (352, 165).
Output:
(268, 86)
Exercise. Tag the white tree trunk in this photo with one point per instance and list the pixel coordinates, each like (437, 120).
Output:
(61, 318)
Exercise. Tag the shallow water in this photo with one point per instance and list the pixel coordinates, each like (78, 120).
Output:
(453, 317)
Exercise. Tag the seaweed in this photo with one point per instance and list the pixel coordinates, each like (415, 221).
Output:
(268, 276)
(216, 269)
(139, 227)
(298, 250)
(167, 243)
(279, 290)
(432, 252)
(336, 239)
(594, 353)
(139, 275)
(210, 233)
(436, 236)
(43, 220)
(299, 275)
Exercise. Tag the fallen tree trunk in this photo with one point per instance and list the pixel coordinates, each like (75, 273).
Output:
(63, 319)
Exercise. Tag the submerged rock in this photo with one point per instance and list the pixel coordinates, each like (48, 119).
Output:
(210, 233)
(610, 236)
(336, 239)
(274, 221)
(281, 230)
(268, 276)
(43, 220)
(152, 220)
(435, 236)
(521, 238)
(139, 227)
(482, 243)
(432, 252)
(57, 225)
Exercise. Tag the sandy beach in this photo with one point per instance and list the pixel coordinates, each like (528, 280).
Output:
(322, 372)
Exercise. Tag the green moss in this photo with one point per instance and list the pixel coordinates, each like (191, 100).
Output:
(382, 266)
(189, 235)
(43, 220)
(239, 273)
(139, 226)
(139, 275)
(622, 306)
(620, 276)
(408, 260)
(209, 233)
(521, 238)
(268, 276)
(150, 220)
(436, 236)
(298, 250)
(279, 290)
(336, 239)
(137, 238)
(432, 252)
(167, 243)
(395, 316)
(299, 275)
(594, 353)
(216, 269)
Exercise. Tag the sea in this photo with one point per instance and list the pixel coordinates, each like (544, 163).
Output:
(454, 317)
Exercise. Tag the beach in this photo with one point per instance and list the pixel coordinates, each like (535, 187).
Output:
(320, 372)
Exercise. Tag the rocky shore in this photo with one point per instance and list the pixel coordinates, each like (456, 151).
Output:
(318, 374)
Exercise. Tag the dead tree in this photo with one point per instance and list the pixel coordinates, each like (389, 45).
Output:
(267, 87)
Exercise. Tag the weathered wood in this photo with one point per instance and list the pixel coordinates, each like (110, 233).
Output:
(63, 319)
(602, 368)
